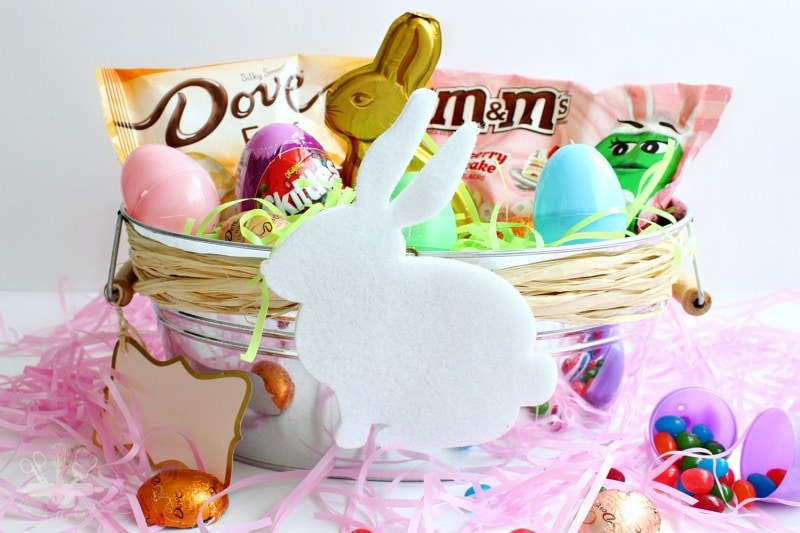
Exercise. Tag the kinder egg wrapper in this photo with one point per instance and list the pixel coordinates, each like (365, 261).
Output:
(273, 162)
(164, 188)
(524, 120)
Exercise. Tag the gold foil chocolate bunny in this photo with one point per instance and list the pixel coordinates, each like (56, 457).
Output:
(363, 103)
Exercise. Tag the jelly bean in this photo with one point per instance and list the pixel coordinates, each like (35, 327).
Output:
(714, 447)
(764, 486)
(690, 462)
(722, 491)
(664, 442)
(669, 476)
(776, 475)
(717, 466)
(579, 387)
(697, 480)
(616, 475)
(744, 490)
(471, 491)
(703, 432)
(523, 530)
(709, 502)
(671, 424)
(590, 373)
(540, 410)
(687, 440)
(680, 487)
(729, 477)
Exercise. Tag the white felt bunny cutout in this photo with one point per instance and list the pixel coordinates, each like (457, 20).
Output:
(433, 352)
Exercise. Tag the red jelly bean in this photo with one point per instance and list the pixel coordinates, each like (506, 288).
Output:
(709, 502)
(669, 476)
(579, 387)
(743, 490)
(697, 480)
(728, 478)
(616, 475)
(664, 442)
(776, 475)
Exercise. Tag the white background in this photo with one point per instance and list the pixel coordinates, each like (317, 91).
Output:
(60, 174)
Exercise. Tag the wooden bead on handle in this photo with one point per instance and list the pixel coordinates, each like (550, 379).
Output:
(684, 290)
(123, 284)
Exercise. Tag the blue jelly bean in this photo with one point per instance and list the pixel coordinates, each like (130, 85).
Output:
(717, 466)
(671, 424)
(704, 432)
(683, 489)
(471, 491)
(764, 486)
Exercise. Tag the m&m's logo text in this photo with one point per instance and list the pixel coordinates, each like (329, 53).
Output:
(536, 109)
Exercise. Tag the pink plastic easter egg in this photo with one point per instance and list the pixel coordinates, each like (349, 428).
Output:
(163, 187)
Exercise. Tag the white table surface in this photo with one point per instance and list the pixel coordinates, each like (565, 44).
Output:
(24, 312)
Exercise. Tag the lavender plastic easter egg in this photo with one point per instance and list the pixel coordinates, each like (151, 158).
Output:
(273, 161)
(605, 386)
(163, 187)
(578, 182)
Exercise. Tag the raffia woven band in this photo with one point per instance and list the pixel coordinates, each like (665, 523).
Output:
(594, 287)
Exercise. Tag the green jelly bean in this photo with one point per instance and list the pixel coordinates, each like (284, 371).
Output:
(714, 447)
(687, 440)
(690, 462)
(540, 410)
(722, 491)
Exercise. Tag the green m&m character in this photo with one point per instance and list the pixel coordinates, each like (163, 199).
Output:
(632, 154)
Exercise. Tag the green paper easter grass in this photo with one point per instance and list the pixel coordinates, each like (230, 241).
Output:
(476, 235)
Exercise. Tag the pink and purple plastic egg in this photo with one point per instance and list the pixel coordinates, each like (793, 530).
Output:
(164, 188)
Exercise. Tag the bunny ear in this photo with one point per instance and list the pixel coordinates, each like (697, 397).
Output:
(390, 154)
(410, 50)
(436, 183)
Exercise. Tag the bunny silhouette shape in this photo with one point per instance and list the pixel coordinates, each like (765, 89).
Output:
(432, 352)
(364, 102)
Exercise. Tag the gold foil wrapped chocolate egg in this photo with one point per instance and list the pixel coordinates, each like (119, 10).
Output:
(260, 224)
(278, 386)
(172, 498)
(614, 511)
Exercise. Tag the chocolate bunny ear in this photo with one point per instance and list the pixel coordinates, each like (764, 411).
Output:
(410, 51)
(388, 157)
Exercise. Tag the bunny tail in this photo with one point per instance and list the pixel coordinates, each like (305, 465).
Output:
(390, 154)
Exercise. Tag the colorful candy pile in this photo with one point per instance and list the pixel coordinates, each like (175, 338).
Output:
(708, 479)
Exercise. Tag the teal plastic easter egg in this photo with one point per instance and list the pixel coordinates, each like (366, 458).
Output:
(435, 234)
(578, 182)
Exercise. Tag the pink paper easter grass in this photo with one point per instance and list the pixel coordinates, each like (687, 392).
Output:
(538, 465)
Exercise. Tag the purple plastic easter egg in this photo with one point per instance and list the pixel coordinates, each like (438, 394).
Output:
(605, 385)
(274, 159)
